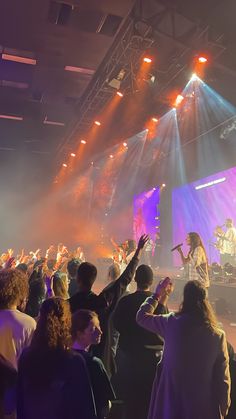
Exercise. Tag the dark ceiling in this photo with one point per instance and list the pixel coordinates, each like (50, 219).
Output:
(100, 37)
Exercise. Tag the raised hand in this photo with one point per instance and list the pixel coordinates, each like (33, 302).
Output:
(142, 241)
(164, 287)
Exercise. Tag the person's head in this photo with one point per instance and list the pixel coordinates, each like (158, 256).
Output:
(72, 267)
(86, 276)
(51, 264)
(60, 285)
(53, 331)
(86, 328)
(194, 240)
(196, 304)
(143, 277)
(229, 222)
(37, 293)
(22, 267)
(113, 272)
(14, 289)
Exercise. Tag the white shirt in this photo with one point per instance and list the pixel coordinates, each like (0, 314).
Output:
(16, 331)
(196, 259)
(229, 245)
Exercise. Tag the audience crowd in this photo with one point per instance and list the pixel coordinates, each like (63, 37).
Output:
(67, 352)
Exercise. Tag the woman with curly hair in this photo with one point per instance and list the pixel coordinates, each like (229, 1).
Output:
(53, 381)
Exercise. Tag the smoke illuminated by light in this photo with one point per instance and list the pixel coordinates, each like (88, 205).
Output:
(178, 100)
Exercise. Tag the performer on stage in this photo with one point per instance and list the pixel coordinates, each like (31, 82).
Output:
(196, 260)
(229, 243)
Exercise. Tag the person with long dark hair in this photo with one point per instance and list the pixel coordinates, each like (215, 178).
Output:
(194, 381)
(196, 259)
(53, 380)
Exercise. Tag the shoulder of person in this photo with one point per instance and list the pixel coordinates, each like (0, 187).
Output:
(26, 319)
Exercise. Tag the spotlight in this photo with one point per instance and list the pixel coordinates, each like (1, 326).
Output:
(147, 60)
(64, 165)
(119, 94)
(111, 156)
(83, 142)
(193, 76)
(72, 154)
(202, 59)
(125, 144)
(163, 185)
(154, 120)
(98, 123)
(178, 100)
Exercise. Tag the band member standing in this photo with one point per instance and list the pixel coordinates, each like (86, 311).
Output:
(229, 243)
(196, 260)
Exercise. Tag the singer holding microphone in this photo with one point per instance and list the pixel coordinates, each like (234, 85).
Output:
(196, 259)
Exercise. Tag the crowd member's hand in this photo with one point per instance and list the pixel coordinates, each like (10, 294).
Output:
(10, 263)
(164, 288)
(142, 241)
(10, 252)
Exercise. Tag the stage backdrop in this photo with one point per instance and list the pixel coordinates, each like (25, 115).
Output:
(147, 213)
(201, 206)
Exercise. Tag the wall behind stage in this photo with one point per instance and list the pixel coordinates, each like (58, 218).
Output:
(202, 209)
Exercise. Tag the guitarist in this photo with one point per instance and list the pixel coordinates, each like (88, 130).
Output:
(229, 243)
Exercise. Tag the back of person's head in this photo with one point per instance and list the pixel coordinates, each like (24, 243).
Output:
(51, 264)
(196, 304)
(113, 272)
(14, 288)
(60, 285)
(195, 239)
(53, 327)
(144, 277)
(37, 293)
(72, 267)
(86, 275)
(80, 321)
(22, 267)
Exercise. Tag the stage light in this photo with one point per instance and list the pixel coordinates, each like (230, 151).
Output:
(154, 119)
(178, 100)
(64, 165)
(202, 59)
(91, 163)
(119, 94)
(97, 123)
(83, 142)
(72, 154)
(163, 185)
(193, 76)
(147, 60)
(111, 156)
(125, 144)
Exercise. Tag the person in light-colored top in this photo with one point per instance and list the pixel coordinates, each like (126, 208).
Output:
(193, 381)
(16, 328)
(196, 259)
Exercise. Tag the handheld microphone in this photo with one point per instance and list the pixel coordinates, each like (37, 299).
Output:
(176, 247)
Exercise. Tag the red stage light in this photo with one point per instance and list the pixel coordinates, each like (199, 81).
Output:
(64, 165)
(202, 59)
(97, 123)
(119, 94)
(147, 60)
(72, 154)
(83, 142)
